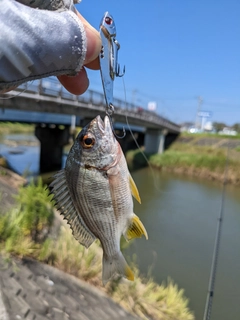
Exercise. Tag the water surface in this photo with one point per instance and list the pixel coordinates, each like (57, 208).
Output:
(180, 215)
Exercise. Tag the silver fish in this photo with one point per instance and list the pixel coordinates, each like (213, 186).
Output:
(94, 194)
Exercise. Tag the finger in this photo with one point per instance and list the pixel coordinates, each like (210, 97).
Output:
(94, 42)
(77, 84)
(94, 65)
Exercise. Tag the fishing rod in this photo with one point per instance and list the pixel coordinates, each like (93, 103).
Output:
(213, 273)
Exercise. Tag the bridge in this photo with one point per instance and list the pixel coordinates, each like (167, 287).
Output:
(48, 104)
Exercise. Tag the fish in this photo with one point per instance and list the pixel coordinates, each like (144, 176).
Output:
(94, 194)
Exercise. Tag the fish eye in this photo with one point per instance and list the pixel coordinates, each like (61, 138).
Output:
(87, 141)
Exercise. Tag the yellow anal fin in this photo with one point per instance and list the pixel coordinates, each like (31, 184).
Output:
(136, 229)
(134, 189)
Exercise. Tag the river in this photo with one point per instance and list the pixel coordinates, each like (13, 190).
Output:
(180, 215)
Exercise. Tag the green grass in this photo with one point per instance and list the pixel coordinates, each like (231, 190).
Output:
(3, 163)
(30, 221)
(22, 233)
(176, 158)
(135, 159)
(209, 135)
(182, 156)
(188, 158)
(9, 127)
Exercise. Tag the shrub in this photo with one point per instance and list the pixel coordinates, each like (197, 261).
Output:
(36, 212)
(30, 221)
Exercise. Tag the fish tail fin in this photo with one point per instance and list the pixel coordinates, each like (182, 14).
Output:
(115, 265)
(136, 229)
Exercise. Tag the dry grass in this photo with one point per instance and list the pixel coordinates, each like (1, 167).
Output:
(149, 300)
(141, 297)
(68, 255)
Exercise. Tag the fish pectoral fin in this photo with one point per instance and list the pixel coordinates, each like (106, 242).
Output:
(115, 265)
(134, 189)
(113, 171)
(136, 229)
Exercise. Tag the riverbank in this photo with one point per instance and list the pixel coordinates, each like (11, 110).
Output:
(32, 290)
(198, 156)
(10, 127)
(19, 228)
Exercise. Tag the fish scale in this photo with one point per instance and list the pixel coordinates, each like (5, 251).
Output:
(94, 194)
(99, 215)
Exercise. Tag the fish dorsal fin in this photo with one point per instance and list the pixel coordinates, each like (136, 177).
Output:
(66, 207)
(136, 229)
(134, 189)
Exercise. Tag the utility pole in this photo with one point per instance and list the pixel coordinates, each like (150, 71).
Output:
(134, 91)
(200, 101)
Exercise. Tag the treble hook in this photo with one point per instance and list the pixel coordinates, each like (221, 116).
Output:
(118, 71)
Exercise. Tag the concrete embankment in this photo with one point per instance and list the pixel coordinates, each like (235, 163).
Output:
(32, 290)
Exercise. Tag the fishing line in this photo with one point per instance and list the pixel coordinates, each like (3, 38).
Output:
(135, 140)
(212, 279)
(175, 195)
(15, 95)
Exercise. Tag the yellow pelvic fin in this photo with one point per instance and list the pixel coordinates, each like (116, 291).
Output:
(136, 229)
(134, 189)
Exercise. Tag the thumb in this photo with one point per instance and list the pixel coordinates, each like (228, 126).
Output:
(94, 42)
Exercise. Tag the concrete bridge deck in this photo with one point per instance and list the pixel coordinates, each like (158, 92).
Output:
(48, 104)
(48, 96)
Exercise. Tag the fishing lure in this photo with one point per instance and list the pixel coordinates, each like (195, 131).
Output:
(109, 65)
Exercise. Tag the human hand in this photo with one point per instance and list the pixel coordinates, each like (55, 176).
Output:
(78, 84)
(19, 62)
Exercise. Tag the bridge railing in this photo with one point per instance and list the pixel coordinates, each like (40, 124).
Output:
(52, 88)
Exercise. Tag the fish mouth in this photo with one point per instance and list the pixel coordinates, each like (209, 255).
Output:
(107, 124)
(100, 124)
(103, 126)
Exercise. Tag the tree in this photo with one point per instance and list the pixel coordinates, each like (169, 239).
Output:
(218, 126)
(236, 127)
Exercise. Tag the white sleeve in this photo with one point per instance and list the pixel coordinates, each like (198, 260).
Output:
(38, 43)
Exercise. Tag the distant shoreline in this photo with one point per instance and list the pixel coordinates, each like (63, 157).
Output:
(203, 173)
(198, 156)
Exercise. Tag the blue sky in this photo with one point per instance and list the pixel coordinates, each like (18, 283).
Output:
(175, 51)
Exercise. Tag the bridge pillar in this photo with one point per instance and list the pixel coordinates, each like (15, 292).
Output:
(155, 140)
(52, 140)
